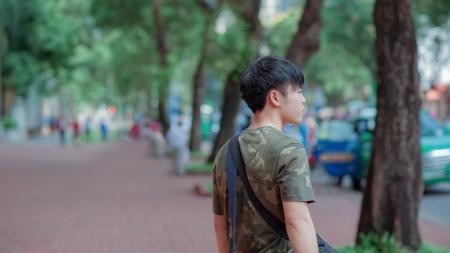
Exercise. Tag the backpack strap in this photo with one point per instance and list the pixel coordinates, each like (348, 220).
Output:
(234, 164)
(238, 163)
(231, 182)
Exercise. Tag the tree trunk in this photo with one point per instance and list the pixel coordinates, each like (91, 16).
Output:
(198, 79)
(306, 40)
(1, 87)
(197, 97)
(163, 118)
(391, 198)
(230, 106)
(162, 57)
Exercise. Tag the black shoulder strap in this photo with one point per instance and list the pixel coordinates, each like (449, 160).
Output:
(273, 221)
(235, 162)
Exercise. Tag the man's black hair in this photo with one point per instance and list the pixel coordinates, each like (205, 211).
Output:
(266, 73)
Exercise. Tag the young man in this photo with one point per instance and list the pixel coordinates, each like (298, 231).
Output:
(276, 165)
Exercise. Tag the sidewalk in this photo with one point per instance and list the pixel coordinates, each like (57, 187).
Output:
(98, 199)
(336, 215)
(113, 198)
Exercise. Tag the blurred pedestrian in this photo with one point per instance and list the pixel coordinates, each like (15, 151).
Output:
(87, 129)
(157, 143)
(134, 132)
(177, 139)
(76, 131)
(61, 126)
(104, 130)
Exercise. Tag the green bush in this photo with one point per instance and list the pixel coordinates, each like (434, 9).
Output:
(372, 243)
(8, 123)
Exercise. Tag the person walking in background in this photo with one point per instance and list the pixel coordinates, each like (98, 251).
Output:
(87, 129)
(61, 126)
(104, 130)
(76, 131)
(135, 131)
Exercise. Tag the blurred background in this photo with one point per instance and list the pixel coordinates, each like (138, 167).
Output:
(112, 111)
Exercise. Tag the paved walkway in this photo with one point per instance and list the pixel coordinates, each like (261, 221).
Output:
(115, 199)
(336, 214)
(98, 199)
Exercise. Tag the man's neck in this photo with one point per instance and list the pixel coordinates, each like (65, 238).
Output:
(262, 120)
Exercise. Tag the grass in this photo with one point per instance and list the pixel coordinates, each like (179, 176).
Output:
(373, 244)
(199, 168)
(198, 155)
(208, 186)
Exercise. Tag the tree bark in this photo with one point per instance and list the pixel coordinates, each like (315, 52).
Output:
(249, 12)
(391, 198)
(306, 40)
(230, 108)
(197, 92)
(1, 87)
(160, 38)
(198, 78)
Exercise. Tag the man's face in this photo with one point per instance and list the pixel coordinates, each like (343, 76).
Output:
(292, 105)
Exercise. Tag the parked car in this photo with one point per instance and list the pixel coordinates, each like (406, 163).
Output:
(337, 149)
(351, 154)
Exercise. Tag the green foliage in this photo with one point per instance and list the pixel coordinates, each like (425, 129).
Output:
(230, 47)
(16, 19)
(386, 243)
(8, 122)
(431, 13)
(281, 30)
(104, 51)
(135, 57)
(345, 62)
(23, 69)
(40, 37)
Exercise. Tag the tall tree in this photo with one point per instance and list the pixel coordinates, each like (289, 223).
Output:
(304, 44)
(306, 40)
(347, 32)
(394, 187)
(210, 13)
(248, 11)
(160, 38)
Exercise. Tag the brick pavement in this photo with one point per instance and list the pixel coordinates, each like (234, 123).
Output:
(114, 198)
(337, 211)
(98, 199)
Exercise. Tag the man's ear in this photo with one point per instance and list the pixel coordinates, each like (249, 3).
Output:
(273, 98)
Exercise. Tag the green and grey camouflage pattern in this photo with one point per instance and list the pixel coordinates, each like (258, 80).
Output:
(277, 169)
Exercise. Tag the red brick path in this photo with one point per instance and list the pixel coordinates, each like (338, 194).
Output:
(115, 199)
(99, 199)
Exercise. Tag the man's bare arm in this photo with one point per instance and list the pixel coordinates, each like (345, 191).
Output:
(300, 227)
(220, 226)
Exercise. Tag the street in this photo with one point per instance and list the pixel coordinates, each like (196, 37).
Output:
(435, 205)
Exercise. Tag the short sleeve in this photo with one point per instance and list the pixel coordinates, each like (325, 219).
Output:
(217, 203)
(293, 177)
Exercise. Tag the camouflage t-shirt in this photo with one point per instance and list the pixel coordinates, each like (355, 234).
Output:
(277, 169)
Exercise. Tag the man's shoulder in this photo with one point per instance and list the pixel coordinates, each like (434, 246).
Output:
(268, 138)
(219, 160)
